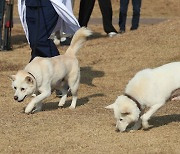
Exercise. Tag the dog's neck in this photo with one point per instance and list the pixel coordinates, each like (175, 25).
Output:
(134, 100)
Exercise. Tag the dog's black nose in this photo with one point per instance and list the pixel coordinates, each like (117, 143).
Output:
(15, 98)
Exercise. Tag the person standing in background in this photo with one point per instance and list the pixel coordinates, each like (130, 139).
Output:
(61, 38)
(86, 8)
(123, 15)
(42, 17)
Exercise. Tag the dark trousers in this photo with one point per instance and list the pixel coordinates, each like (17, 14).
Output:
(41, 22)
(123, 13)
(86, 8)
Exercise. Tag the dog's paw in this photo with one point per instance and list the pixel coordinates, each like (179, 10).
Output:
(132, 130)
(35, 110)
(60, 105)
(29, 108)
(33, 95)
(147, 126)
(72, 107)
(27, 111)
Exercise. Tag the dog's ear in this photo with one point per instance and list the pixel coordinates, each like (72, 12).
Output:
(29, 80)
(110, 106)
(12, 77)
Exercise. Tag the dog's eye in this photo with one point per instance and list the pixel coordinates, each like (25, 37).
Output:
(120, 119)
(22, 89)
(125, 114)
(15, 88)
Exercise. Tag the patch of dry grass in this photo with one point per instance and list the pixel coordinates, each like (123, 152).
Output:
(153, 8)
(8, 66)
(107, 64)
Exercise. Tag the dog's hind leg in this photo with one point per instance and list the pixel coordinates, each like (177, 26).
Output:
(145, 117)
(74, 100)
(74, 84)
(64, 96)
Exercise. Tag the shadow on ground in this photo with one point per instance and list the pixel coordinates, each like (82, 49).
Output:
(82, 101)
(19, 39)
(96, 35)
(164, 120)
(88, 74)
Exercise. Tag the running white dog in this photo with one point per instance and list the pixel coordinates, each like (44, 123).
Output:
(150, 88)
(43, 75)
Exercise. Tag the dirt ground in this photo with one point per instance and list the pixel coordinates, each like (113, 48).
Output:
(107, 64)
(153, 8)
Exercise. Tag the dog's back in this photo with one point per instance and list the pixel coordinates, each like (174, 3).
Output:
(58, 67)
(155, 85)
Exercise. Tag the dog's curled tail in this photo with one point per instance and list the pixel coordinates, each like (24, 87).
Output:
(78, 40)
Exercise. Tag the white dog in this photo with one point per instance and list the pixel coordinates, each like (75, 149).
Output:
(43, 75)
(150, 88)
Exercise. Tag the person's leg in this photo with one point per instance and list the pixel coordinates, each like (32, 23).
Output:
(136, 14)
(1, 20)
(106, 10)
(48, 23)
(41, 22)
(85, 10)
(123, 14)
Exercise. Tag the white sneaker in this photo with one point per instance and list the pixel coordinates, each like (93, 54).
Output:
(56, 41)
(111, 34)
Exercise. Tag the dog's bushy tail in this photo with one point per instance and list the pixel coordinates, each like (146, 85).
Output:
(78, 40)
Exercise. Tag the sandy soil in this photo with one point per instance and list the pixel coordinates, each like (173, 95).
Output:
(153, 8)
(107, 64)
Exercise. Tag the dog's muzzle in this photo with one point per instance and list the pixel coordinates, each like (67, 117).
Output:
(16, 98)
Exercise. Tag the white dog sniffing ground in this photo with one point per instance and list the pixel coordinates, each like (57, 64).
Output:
(43, 75)
(148, 88)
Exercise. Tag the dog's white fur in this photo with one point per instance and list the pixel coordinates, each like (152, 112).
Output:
(151, 88)
(43, 75)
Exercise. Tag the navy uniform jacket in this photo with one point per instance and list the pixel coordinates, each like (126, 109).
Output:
(36, 3)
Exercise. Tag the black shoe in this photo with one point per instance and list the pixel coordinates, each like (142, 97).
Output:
(121, 31)
(133, 28)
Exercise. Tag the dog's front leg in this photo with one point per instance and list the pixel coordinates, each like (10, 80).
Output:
(145, 117)
(36, 100)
